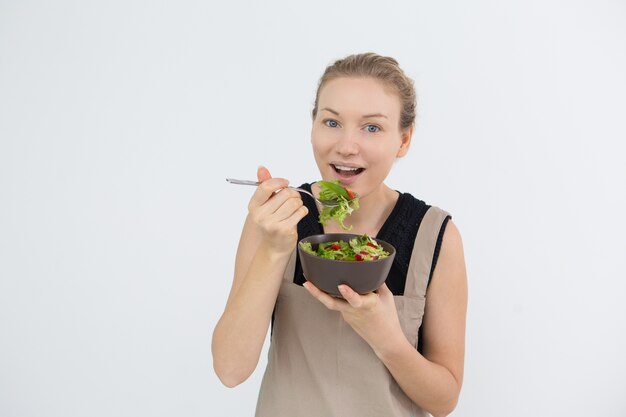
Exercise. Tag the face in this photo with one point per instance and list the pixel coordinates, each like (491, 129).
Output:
(356, 135)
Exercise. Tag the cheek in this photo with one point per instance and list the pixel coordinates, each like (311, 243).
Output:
(315, 143)
(390, 149)
(383, 151)
(318, 149)
(319, 142)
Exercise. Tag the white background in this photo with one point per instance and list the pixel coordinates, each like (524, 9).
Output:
(120, 120)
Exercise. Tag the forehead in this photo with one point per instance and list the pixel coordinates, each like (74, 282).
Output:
(357, 96)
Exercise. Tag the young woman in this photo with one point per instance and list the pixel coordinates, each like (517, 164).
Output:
(397, 351)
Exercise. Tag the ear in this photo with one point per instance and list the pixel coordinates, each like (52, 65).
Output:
(406, 141)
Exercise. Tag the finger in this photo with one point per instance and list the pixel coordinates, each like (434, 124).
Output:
(296, 216)
(266, 190)
(287, 208)
(331, 303)
(263, 174)
(384, 291)
(281, 202)
(352, 297)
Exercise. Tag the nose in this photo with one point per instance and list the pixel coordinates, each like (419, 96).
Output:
(347, 144)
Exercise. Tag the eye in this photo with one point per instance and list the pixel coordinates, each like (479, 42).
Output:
(376, 128)
(333, 123)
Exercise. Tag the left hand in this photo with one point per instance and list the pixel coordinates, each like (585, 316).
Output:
(373, 316)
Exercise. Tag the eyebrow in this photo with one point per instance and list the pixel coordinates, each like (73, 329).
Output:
(364, 116)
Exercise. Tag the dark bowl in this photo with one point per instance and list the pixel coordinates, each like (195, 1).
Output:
(327, 274)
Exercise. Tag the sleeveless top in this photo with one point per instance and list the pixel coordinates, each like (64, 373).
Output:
(317, 364)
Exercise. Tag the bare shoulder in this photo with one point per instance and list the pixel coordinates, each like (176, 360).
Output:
(451, 246)
(450, 273)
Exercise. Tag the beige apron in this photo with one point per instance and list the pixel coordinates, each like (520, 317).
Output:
(318, 366)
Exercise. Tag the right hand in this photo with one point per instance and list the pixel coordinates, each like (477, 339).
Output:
(276, 214)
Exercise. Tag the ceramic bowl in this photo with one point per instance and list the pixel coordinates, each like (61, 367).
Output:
(326, 274)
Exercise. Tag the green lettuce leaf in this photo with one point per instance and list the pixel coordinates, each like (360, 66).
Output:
(333, 190)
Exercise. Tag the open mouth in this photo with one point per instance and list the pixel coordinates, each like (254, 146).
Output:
(346, 171)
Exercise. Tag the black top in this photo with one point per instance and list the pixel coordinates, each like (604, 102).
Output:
(400, 229)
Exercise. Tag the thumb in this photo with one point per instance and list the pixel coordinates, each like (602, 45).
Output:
(263, 174)
(384, 291)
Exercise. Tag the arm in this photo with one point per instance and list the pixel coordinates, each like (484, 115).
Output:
(432, 380)
(267, 241)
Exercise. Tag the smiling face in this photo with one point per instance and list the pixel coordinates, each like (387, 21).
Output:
(356, 133)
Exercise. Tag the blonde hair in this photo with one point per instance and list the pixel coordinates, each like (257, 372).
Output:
(382, 68)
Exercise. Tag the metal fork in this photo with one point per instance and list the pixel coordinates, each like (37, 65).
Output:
(325, 203)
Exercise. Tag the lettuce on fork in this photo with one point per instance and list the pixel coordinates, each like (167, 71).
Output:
(347, 201)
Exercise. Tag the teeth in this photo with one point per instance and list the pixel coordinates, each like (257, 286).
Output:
(345, 168)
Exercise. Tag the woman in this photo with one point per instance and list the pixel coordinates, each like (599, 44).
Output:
(397, 351)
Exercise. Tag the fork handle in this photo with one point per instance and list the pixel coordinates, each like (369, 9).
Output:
(248, 182)
(242, 182)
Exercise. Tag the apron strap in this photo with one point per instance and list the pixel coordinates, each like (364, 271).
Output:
(290, 269)
(421, 261)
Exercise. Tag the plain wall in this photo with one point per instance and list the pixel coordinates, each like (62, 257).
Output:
(120, 120)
